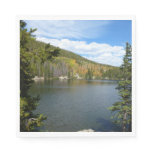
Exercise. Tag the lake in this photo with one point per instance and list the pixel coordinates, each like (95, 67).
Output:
(75, 105)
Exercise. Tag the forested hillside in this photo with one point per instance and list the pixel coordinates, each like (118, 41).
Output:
(66, 65)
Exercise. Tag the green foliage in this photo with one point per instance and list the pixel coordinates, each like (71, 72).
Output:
(113, 74)
(89, 75)
(122, 109)
(28, 120)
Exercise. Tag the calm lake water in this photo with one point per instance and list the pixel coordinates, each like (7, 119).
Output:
(76, 105)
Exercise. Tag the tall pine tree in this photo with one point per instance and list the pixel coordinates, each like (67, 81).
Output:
(28, 120)
(122, 110)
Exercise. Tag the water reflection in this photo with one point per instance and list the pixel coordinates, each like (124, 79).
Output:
(76, 105)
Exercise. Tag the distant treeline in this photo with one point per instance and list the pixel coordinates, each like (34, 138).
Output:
(67, 64)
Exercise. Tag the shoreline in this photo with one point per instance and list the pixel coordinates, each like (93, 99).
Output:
(36, 78)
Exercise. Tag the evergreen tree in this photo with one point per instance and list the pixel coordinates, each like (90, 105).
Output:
(28, 120)
(122, 110)
(89, 74)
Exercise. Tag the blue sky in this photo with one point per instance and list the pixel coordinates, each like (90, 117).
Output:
(102, 41)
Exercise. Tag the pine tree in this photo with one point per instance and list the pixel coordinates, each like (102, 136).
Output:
(89, 74)
(28, 120)
(122, 110)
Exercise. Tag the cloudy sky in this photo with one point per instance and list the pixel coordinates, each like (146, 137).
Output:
(102, 41)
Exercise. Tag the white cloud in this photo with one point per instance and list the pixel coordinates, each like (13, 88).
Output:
(68, 28)
(98, 52)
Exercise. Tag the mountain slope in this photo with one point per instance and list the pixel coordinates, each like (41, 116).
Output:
(67, 65)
